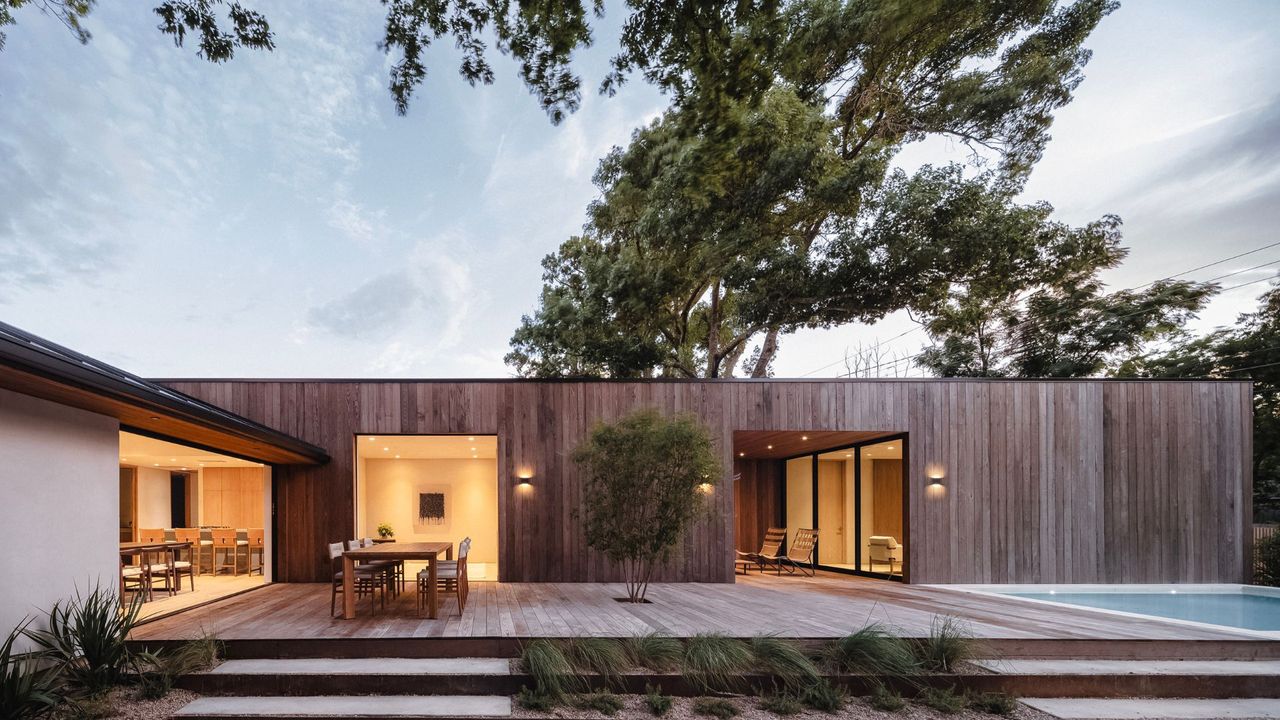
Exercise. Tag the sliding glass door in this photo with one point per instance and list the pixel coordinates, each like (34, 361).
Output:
(855, 497)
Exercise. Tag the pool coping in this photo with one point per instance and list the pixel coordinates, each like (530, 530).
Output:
(1004, 591)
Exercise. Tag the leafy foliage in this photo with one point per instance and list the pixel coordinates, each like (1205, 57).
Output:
(654, 651)
(657, 703)
(1249, 349)
(763, 201)
(533, 700)
(886, 700)
(602, 701)
(949, 643)
(1266, 554)
(553, 674)
(716, 662)
(157, 672)
(87, 636)
(944, 700)
(994, 703)
(248, 28)
(642, 479)
(1058, 321)
(28, 687)
(715, 707)
(872, 650)
(781, 704)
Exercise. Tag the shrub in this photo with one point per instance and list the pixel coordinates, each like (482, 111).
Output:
(784, 659)
(715, 707)
(605, 657)
(949, 644)
(602, 701)
(1267, 561)
(530, 700)
(823, 696)
(28, 688)
(781, 704)
(716, 662)
(86, 638)
(158, 672)
(995, 703)
(657, 703)
(886, 700)
(872, 650)
(653, 463)
(944, 700)
(552, 673)
(654, 651)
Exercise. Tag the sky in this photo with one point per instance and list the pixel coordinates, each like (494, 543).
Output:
(274, 217)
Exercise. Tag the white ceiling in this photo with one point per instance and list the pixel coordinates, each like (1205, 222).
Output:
(149, 452)
(888, 450)
(427, 447)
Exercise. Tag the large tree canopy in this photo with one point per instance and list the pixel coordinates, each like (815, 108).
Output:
(707, 52)
(763, 201)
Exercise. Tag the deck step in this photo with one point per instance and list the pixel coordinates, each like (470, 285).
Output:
(366, 666)
(1134, 708)
(1133, 667)
(401, 707)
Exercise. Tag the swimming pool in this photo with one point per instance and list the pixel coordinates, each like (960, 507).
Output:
(1237, 606)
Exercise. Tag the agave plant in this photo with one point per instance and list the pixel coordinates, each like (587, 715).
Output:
(28, 686)
(86, 638)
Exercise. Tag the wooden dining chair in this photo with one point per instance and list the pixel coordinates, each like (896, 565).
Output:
(184, 561)
(224, 541)
(151, 535)
(204, 550)
(397, 568)
(159, 564)
(257, 546)
(384, 569)
(451, 578)
(136, 575)
(367, 580)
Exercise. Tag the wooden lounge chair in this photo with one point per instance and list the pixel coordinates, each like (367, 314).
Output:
(800, 557)
(771, 547)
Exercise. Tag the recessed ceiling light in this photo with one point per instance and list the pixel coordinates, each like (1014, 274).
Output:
(742, 454)
(173, 459)
(201, 464)
(848, 454)
(157, 464)
(769, 447)
(397, 457)
(804, 437)
(889, 448)
(184, 468)
(385, 449)
(471, 439)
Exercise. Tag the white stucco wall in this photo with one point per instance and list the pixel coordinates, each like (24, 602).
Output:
(59, 502)
(154, 508)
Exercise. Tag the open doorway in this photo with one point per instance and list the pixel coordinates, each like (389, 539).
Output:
(194, 524)
(430, 488)
(849, 486)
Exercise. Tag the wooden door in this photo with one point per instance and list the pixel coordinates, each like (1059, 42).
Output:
(128, 504)
(831, 511)
(886, 494)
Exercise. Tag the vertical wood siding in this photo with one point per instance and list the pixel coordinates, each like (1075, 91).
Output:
(1071, 482)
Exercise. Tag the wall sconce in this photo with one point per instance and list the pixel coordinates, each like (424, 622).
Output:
(706, 488)
(935, 480)
(524, 478)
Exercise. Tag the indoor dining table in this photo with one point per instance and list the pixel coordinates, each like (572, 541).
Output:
(169, 546)
(429, 551)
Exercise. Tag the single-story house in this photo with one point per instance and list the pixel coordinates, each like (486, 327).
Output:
(918, 480)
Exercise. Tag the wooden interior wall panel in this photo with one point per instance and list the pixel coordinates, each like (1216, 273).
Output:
(1086, 481)
(886, 498)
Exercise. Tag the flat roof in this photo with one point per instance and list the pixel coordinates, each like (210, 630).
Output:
(31, 365)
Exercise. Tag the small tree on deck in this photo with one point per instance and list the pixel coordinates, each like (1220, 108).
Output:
(645, 479)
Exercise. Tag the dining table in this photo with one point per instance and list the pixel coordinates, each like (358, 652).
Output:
(144, 547)
(428, 551)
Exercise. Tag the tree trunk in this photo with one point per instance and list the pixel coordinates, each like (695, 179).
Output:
(767, 350)
(713, 332)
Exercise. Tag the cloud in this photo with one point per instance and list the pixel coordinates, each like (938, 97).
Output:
(371, 310)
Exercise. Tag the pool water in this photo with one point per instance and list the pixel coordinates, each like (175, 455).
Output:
(1241, 610)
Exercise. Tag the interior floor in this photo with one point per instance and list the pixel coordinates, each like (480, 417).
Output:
(208, 588)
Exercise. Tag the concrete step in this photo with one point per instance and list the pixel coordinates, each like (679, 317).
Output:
(401, 707)
(1133, 667)
(356, 676)
(366, 666)
(1133, 708)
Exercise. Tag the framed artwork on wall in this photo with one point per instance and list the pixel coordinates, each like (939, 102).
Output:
(432, 511)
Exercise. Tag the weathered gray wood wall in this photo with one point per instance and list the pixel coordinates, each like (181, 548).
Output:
(1045, 481)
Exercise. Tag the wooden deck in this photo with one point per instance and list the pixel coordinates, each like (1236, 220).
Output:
(826, 606)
